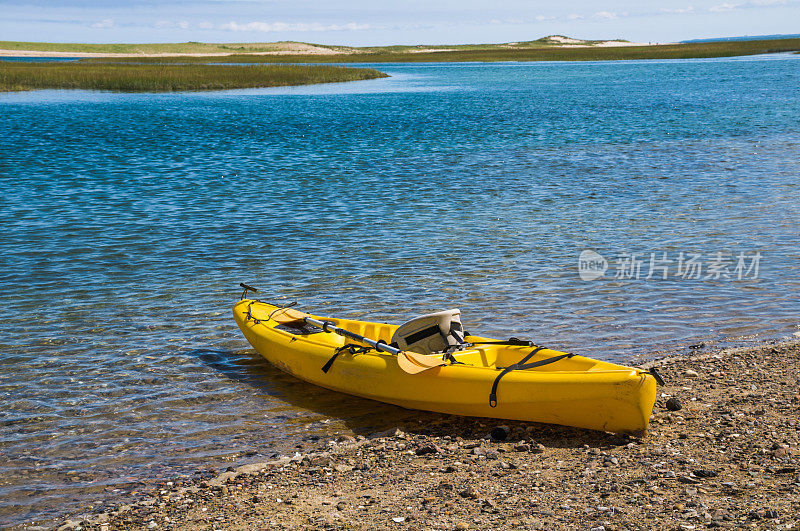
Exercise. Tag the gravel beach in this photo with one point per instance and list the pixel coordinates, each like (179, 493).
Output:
(722, 451)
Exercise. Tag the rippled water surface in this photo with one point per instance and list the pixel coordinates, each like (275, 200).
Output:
(129, 220)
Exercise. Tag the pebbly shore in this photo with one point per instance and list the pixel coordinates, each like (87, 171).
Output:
(721, 452)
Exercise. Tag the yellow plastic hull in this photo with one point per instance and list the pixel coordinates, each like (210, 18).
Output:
(577, 391)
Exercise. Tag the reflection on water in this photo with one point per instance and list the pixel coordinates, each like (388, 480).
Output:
(130, 219)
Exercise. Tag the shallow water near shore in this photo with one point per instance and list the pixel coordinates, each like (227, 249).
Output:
(129, 220)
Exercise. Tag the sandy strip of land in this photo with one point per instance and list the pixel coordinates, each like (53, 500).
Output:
(290, 49)
(30, 53)
(727, 458)
(33, 53)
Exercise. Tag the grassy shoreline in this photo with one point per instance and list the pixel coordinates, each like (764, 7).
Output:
(551, 53)
(19, 76)
(545, 49)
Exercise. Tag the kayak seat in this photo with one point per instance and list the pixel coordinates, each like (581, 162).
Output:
(431, 333)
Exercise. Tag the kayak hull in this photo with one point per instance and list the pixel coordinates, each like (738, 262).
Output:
(576, 391)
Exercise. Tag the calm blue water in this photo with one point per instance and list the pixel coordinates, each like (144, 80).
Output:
(129, 220)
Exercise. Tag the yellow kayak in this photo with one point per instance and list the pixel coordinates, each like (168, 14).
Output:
(469, 375)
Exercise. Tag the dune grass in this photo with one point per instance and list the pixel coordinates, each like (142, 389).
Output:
(15, 76)
(527, 52)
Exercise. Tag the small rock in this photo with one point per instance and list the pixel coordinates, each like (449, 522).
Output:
(701, 473)
(152, 524)
(341, 505)
(500, 433)
(320, 460)
(426, 449)
(673, 404)
(689, 373)
(470, 493)
(770, 514)
(688, 480)
(480, 450)
(391, 432)
(255, 499)
(462, 525)
(537, 449)
(522, 447)
(399, 519)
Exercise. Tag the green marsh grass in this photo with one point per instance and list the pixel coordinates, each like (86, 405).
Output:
(488, 53)
(16, 76)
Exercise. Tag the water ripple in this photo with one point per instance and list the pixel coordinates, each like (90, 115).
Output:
(128, 221)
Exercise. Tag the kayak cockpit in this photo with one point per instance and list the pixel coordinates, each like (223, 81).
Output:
(471, 353)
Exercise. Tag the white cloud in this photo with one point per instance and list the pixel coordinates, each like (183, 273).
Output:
(542, 18)
(574, 16)
(267, 27)
(507, 21)
(161, 24)
(205, 25)
(721, 8)
(605, 15)
(107, 23)
(677, 10)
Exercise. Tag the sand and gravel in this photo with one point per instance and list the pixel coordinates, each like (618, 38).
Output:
(728, 458)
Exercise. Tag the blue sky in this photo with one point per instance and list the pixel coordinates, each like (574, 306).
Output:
(371, 22)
